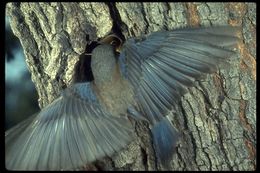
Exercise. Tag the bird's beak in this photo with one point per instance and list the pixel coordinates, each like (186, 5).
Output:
(114, 40)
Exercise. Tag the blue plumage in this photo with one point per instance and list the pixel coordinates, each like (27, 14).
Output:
(88, 121)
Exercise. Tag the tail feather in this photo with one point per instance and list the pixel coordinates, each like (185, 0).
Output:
(165, 138)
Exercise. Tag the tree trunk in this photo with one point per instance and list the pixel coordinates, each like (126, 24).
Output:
(217, 119)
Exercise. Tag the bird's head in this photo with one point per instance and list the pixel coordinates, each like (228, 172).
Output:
(103, 58)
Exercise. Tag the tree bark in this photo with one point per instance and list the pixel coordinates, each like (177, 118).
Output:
(217, 119)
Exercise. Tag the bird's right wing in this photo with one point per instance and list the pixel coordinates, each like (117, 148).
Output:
(162, 65)
(70, 132)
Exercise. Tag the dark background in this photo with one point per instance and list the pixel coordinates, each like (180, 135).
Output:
(20, 94)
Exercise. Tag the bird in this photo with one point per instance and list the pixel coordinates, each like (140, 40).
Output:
(140, 78)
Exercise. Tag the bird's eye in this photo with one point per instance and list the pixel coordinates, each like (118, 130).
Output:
(113, 42)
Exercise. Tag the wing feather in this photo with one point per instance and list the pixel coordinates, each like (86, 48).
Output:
(162, 65)
(70, 132)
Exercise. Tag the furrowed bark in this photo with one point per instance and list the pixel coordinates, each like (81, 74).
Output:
(217, 119)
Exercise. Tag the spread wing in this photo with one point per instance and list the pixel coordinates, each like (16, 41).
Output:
(161, 66)
(67, 134)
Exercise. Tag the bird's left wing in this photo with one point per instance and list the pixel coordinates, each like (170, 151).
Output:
(162, 65)
(70, 132)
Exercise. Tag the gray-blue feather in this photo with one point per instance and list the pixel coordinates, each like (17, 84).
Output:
(161, 66)
(70, 132)
(165, 138)
(76, 129)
